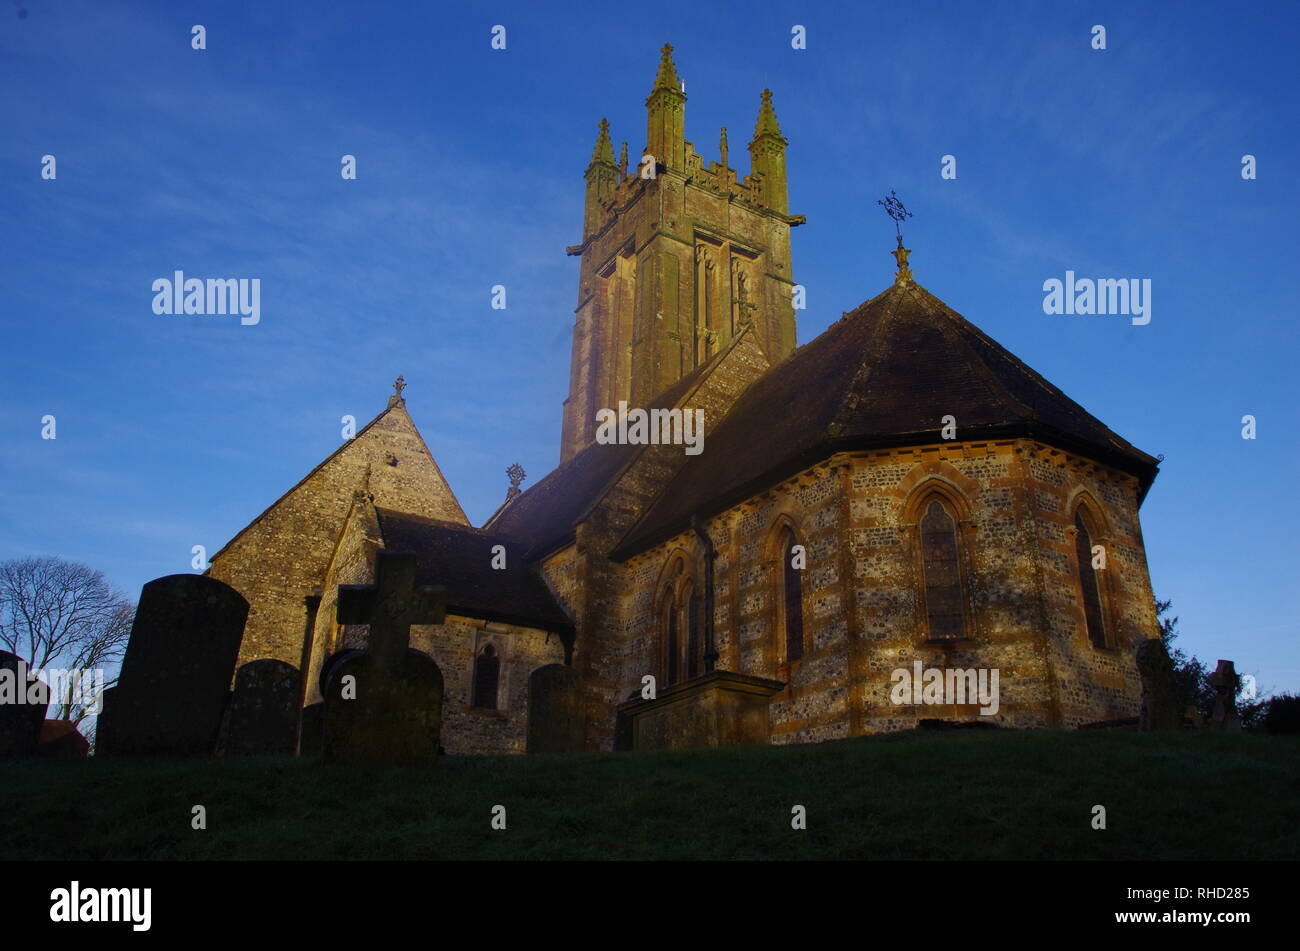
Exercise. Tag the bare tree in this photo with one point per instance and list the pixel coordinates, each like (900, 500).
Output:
(53, 610)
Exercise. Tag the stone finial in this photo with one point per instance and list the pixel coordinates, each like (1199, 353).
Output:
(398, 385)
(898, 214)
(904, 273)
(667, 76)
(722, 146)
(767, 124)
(622, 162)
(515, 473)
(604, 150)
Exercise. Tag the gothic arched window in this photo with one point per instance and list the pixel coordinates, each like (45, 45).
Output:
(791, 579)
(694, 638)
(1089, 584)
(672, 639)
(487, 676)
(945, 602)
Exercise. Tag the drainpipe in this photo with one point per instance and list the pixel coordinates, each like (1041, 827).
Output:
(710, 650)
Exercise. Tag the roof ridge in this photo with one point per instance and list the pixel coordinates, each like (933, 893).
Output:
(702, 373)
(1050, 389)
(697, 371)
(993, 387)
(476, 531)
(320, 465)
(869, 358)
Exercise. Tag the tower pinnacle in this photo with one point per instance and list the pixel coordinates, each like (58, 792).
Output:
(667, 77)
(767, 124)
(767, 157)
(665, 115)
(604, 150)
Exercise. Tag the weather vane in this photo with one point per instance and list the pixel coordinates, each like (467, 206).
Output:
(398, 385)
(894, 208)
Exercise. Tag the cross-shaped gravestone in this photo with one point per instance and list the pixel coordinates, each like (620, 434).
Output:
(1224, 680)
(391, 605)
(384, 706)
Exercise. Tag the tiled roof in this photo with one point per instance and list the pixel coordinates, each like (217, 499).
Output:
(543, 517)
(883, 375)
(459, 558)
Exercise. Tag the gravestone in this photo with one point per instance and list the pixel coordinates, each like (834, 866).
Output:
(263, 716)
(60, 739)
(104, 722)
(1224, 680)
(175, 680)
(555, 710)
(311, 731)
(1162, 709)
(23, 702)
(384, 706)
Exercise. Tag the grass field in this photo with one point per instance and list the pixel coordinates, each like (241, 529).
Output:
(916, 795)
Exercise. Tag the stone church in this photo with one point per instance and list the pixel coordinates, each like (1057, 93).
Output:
(900, 493)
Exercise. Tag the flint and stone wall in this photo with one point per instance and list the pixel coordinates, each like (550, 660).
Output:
(863, 615)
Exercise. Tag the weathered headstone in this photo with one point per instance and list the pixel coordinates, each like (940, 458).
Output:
(175, 678)
(263, 715)
(104, 722)
(311, 731)
(60, 739)
(1224, 680)
(384, 706)
(1162, 709)
(23, 702)
(555, 710)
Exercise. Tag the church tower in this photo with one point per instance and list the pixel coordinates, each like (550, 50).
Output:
(677, 257)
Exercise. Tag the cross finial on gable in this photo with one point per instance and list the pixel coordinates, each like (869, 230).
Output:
(398, 385)
(898, 213)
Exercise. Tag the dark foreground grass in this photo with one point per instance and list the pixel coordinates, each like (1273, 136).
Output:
(995, 795)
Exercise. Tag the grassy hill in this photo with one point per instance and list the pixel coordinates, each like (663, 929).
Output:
(994, 795)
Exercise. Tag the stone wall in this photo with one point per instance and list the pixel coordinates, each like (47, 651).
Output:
(1092, 683)
(590, 585)
(353, 562)
(283, 554)
(857, 516)
(454, 645)
(815, 704)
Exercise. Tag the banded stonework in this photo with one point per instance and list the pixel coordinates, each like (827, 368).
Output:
(899, 490)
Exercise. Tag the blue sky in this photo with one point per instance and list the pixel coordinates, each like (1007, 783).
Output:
(225, 162)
